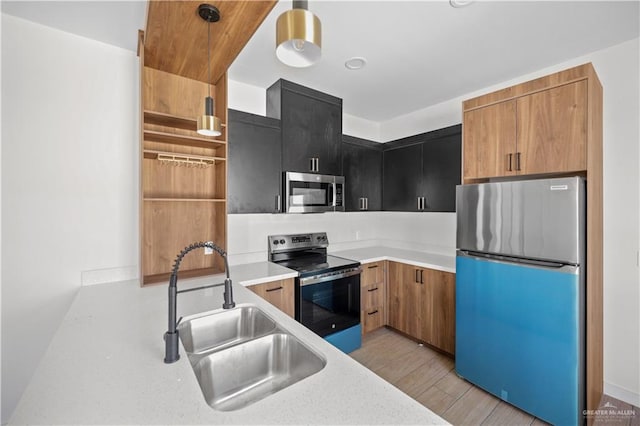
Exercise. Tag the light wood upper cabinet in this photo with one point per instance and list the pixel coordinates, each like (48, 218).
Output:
(489, 137)
(537, 128)
(279, 293)
(552, 130)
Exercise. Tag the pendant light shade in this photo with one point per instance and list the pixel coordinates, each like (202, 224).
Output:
(298, 36)
(209, 124)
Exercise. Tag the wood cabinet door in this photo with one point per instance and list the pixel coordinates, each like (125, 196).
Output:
(489, 141)
(405, 298)
(279, 293)
(442, 292)
(552, 130)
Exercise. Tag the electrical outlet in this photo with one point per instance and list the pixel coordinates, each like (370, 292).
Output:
(208, 250)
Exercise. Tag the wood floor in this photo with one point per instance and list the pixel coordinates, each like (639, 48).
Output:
(429, 377)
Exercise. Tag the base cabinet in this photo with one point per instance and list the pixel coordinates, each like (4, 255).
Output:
(279, 293)
(422, 304)
(372, 296)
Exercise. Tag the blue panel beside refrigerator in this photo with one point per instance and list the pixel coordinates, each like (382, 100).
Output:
(520, 294)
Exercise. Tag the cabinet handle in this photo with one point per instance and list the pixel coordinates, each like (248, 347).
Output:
(366, 203)
(278, 204)
(372, 266)
(274, 289)
(418, 203)
(417, 280)
(372, 313)
(421, 276)
(518, 161)
(372, 289)
(362, 204)
(509, 158)
(312, 164)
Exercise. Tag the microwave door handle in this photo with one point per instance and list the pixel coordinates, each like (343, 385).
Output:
(334, 193)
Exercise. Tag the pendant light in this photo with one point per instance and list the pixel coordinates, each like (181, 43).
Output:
(298, 36)
(209, 124)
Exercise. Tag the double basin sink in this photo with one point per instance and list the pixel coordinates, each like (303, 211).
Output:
(241, 356)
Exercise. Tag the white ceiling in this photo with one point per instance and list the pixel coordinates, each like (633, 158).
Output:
(419, 53)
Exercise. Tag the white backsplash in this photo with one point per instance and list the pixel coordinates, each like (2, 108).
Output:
(431, 232)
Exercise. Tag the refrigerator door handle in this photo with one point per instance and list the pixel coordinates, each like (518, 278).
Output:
(535, 263)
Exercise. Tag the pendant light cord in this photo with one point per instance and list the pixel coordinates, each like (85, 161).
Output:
(209, 56)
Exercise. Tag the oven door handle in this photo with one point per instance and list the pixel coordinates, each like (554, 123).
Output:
(330, 276)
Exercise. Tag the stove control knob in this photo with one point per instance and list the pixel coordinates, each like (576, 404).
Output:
(281, 241)
(275, 242)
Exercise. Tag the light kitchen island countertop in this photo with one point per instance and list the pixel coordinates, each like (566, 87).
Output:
(422, 259)
(105, 365)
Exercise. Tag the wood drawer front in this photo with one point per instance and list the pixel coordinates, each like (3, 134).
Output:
(372, 318)
(279, 293)
(372, 295)
(372, 273)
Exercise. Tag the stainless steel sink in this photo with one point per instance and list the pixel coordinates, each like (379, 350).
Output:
(248, 372)
(224, 328)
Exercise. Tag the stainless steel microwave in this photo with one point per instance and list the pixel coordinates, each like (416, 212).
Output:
(311, 193)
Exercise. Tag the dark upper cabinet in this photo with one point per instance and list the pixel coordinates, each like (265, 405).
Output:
(254, 156)
(402, 168)
(421, 172)
(362, 169)
(441, 172)
(311, 124)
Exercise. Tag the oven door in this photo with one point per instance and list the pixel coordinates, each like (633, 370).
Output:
(330, 302)
(309, 193)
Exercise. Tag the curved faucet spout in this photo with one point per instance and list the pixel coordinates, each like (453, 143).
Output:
(171, 336)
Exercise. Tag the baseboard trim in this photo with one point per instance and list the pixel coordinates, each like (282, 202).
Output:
(622, 394)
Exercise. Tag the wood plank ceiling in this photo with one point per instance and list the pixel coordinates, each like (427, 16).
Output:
(175, 39)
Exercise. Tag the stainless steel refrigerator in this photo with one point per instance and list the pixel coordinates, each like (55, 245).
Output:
(520, 293)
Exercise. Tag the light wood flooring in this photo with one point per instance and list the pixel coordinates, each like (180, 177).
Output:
(429, 377)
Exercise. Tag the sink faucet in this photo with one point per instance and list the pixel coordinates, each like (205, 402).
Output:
(171, 336)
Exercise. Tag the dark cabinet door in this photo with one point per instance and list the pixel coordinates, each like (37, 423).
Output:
(311, 128)
(441, 159)
(402, 178)
(362, 169)
(254, 177)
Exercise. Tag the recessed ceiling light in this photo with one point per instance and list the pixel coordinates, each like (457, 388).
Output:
(355, 63)
(460, 3)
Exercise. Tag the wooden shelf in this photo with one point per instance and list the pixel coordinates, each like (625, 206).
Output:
(170, 120)
(176, 139)
(189, 200)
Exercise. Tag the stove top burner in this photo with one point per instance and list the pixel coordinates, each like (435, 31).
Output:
(315, 264)
(306, 253)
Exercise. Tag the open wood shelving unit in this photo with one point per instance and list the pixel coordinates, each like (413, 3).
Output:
(183, 176)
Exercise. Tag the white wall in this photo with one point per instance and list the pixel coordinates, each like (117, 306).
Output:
(618, 70)
(69, 183)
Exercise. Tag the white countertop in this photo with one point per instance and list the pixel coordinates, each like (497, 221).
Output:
(412, 257)
(105, 366)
